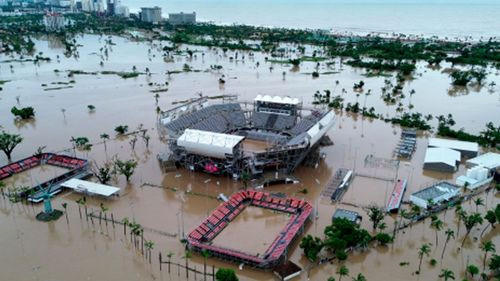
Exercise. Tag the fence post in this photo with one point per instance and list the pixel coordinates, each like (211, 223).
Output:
(195, 273)
(113, 220)
(159, 254)
(213, 273)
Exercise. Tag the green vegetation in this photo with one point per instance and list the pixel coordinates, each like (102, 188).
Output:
(23, 113)
(8, 142)
(379, 65)
(125, 168)
(226, 274)
(121, 129)
(489, 137)
(312, 247)
(411, 120)
(462, 78)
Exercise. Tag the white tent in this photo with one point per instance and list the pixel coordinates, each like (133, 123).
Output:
(208, 143)
(277, 99)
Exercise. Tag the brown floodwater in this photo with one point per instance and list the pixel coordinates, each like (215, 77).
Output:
(250, 238)
(170, 204)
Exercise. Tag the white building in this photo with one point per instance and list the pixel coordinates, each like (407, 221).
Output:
(152, 15)
(182, 18)
(441, 159)
(488, 160)
(122, 11)
(435, 194)
(54, 21)
(466, 148)
(475, 177)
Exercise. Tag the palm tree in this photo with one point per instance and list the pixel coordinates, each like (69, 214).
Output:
(104, 137)
(470, 222)
(447, 274)
(82, 202)
(478, 202)
(125, 222)
(187, 256)
(205, 255)
(459, 212)
(360, 277)
(149, 247)
(65, 206)
(472, 270)
(342, 271)
(449, 234)
(437, 224)
(103, 211)
(170, 254)
(491, 217)
(424, 250)
(487, 247)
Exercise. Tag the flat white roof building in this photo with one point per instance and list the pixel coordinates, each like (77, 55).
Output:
(466, 148)
(441, 159)
(90, 187)
(208, 143)
(434, 194)
(488, 160)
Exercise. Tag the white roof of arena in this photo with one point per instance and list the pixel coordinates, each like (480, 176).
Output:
(454, 144)
(442, 155)
(208, 143)
(277, 99)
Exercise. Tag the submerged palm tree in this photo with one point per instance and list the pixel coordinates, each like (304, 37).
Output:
(437, 224)
(449, 234)
(472, 270)
(149, 247)
(424, 250)
(360, 277)
(487, 247)
(342, 271)
(447, 274)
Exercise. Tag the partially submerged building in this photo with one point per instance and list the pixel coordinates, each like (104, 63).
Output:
(435, 194)
(441, 159)
(475, 177)
(351, 216)
(467, 149)
(209, 137)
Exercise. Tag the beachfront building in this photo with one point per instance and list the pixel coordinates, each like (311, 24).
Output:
(54, 21)
(435, 194)
(182, 18)
(467, 149)
(151, 15)
(441, 159)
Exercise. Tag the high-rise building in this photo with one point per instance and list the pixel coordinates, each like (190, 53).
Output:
(182, 18)
(152, 15)
(54, 21)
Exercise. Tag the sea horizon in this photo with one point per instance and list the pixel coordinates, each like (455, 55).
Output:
(444, 19)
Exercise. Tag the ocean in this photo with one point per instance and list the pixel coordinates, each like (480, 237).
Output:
(443, 18)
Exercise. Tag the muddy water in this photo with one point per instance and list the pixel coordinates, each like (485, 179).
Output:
(238, 233)
(34, 176)
(169, 205)
(254, 145)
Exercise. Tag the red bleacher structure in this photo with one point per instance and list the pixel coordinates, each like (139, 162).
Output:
(201, 237)
(76, 167)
